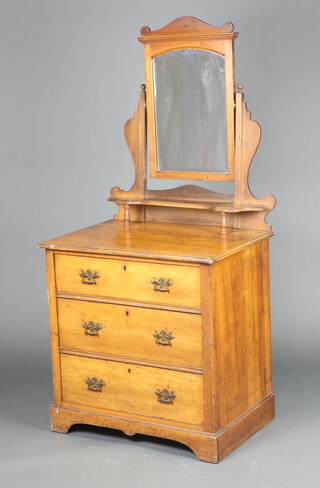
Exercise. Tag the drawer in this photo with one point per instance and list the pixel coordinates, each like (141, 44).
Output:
(132, 389)
(125, 279)
(130, 331)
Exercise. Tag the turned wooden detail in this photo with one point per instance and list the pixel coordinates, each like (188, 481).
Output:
(223, 223)
(126, 215)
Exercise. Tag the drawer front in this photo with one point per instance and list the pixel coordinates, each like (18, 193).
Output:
(158, 283)
(127, 388)
(157, 335)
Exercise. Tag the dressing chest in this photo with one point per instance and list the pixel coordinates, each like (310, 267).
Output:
(160, 318)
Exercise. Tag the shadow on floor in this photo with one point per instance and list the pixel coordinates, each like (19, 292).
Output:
(137, 438)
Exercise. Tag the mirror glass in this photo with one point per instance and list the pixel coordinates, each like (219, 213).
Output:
(190, 111)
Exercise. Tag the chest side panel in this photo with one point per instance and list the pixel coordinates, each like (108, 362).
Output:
(242, 350)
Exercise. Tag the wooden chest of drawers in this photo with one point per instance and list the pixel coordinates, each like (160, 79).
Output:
(168, 337)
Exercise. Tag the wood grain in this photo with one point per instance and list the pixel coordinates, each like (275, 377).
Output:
(231, 290)
(54, 330)
(242, 366)
(128, 303)
(248, 135)
(128, 279)
(245, 426)
(129, 331)
(129, 360)
(207, 347)
(206, 446)
(131, 388)
(189, 26)
(156, 240)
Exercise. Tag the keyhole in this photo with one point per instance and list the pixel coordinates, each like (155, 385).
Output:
(127, 313)
(129, 370)
(124, 267)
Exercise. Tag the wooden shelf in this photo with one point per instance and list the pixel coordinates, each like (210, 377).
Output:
(222, 207)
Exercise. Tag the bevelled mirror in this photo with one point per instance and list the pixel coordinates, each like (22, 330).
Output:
(190, 105)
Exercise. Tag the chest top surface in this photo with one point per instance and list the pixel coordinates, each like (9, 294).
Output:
(180, 242)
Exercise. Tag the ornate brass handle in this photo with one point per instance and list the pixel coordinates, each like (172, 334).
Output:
(89, 277)
(165, 396)
(91, 328)
(164, 338)
(161, 284)
(94, 384)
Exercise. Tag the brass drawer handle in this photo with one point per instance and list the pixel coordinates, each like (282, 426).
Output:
(164, 338)
(89, 277)
(91, 328)
(94, 384)
(161, 284)
(165, 396)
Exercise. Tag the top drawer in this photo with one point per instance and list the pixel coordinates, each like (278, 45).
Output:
(130, 280)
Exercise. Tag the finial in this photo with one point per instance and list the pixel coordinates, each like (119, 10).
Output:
(240, 87)
(143, 88)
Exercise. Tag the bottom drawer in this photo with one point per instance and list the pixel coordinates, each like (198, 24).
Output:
(134, 389)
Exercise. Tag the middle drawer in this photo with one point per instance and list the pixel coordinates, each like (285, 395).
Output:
(143, 333)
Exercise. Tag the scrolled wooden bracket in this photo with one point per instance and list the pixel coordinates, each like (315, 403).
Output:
(135, 136)
(248, 136)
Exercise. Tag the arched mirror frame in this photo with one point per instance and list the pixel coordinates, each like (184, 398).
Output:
(190, 33)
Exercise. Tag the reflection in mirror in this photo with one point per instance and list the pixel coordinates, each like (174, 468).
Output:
(190, 111)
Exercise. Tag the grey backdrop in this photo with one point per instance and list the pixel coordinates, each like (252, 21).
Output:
(70, 72)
